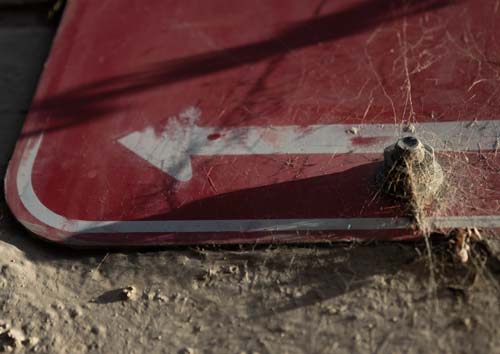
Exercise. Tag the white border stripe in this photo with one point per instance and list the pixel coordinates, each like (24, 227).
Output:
(48, 217)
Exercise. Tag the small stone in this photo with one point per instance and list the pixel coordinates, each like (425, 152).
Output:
(129, 293)
(160, 297)
(57, 306)
(467, 322)
(31, 341)
(196, 329)
(74, 312)
(182, 260)
(330, 310)
(96, 330)
(353, 130)
(3, 325)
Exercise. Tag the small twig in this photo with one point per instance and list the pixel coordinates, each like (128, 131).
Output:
(101, 262)
(475, 83)
(210, 181)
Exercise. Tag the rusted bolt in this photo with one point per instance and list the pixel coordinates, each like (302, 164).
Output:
(411, 170)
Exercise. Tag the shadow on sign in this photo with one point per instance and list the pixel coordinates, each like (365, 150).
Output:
(101, 98)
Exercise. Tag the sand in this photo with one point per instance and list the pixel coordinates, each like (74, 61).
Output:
(343, 298)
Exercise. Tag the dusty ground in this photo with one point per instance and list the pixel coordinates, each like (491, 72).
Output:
(343, 298)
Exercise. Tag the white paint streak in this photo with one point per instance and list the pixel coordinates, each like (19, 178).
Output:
(170, 151)
(46, 216)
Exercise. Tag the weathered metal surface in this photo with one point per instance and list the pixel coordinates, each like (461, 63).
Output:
(167, 122)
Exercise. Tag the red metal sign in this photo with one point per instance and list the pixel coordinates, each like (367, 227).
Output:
(164, 122)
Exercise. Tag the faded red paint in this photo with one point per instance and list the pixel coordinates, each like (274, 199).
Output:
(367, 140)
(214, 136)
(272, 63)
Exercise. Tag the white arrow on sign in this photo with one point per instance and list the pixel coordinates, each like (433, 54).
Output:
(171, 149)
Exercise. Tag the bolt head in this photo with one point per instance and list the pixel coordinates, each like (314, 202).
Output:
(409, 147)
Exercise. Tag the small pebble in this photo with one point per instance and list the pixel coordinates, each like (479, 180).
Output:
(353, 130)
(129, 293)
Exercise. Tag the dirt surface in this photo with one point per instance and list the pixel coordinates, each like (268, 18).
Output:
(342, 298)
